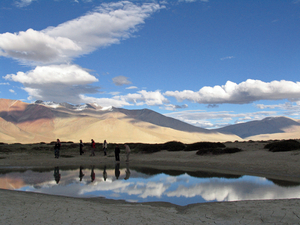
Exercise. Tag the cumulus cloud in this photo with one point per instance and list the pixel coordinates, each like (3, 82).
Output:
(56, 82)
(53, 49)
(66, 74)
(108, 24)
(105, 102)
(145, 97)
(37, 47)
(121, 80)
(140, 98)
(245, 92)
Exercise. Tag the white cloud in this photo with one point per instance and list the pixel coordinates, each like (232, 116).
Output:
(65, 74)
(23, 3)
(4, 83)
(227, 57)
(140, 98)
(245, 92)
(115, 93)
(108, 24)
(285, 106)
(105, 102)
(172, 107)
(11, 91)
(132, 87)
(121, 80)
(37, 47)
(145, 97)
(58, 83)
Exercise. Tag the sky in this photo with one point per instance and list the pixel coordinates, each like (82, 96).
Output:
(210, 63)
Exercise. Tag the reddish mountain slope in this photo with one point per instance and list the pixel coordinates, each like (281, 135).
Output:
(28, 123)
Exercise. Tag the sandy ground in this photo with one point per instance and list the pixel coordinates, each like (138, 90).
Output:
(33, 208)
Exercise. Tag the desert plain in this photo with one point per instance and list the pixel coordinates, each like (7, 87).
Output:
(33, 208)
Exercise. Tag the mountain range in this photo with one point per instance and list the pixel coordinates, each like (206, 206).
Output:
(22, 122)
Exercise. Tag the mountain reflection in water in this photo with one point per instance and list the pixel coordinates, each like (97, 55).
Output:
(146, 185)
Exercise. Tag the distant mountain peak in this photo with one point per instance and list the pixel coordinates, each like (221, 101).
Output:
(81, 107)
(268, 125)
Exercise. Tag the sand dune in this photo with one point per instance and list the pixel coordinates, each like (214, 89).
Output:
(115, 127)
(292, 132)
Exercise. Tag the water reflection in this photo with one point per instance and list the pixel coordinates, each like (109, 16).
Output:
(56, 174)
(81, 174)
(117, 170)
(93, 175)
(144, 185)
(127, 171)
(104, 173)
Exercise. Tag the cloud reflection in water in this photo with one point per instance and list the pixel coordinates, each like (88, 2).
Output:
(182, 189)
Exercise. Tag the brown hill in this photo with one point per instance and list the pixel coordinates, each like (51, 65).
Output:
(267, 128)
(30, 123)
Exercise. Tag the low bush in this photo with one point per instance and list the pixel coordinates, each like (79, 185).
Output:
(150, 148)
(217, 151)
(173, 146)
(203, 145)
(283, 146)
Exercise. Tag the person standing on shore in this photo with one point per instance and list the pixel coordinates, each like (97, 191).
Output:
(127, 150)
(93, 146)
(105, 147)
(117, 153)
(81, 147)
(57, 148)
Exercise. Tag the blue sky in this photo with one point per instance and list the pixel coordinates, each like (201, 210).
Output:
(207, 62)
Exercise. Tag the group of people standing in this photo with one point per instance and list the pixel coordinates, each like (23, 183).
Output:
(117, 150)
(93, 148)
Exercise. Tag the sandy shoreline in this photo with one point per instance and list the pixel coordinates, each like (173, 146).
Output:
(33, 208)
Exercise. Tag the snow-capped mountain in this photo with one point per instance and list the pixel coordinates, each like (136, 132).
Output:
(81, 107)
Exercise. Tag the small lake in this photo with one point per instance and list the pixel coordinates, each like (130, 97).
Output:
(146, 185)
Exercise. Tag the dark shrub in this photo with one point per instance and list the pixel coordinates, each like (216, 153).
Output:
(150, 148)
(71, 146)
(282, 146)
(173, 146)
(217, 151)
(5, 150)
(40, 148)
(203, 145)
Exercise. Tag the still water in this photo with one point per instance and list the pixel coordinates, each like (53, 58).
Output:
(146, 185)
